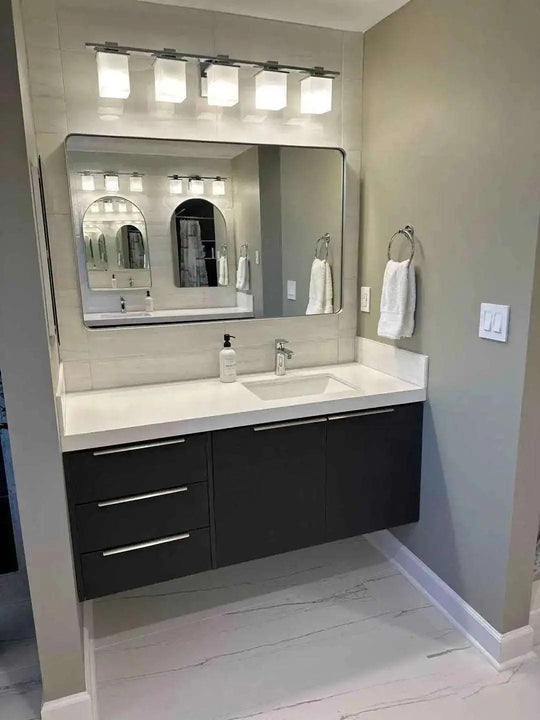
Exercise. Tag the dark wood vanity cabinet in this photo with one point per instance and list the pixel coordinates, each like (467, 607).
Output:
(154, 511)
(269, 484)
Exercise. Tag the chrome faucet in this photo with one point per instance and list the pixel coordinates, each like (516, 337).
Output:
(282, 353)
(122, 304)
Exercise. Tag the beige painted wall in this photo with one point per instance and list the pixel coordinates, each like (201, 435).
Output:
(451, 144)
(64, 100)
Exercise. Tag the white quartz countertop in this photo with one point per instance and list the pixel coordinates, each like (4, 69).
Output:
(100, 418)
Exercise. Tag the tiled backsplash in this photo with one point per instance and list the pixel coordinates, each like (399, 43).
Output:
(63, 86)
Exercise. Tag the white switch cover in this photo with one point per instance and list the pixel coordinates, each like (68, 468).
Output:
(365, 299)
(494, 321)
(291, 289)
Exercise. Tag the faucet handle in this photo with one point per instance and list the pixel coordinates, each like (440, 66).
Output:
(280, 343)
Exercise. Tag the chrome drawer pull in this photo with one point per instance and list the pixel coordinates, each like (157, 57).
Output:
(361, 414)
(130, 448)
(145, 496)
(140, 546)
(274, 426)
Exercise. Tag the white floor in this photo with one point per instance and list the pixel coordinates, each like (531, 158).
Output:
(327, 633)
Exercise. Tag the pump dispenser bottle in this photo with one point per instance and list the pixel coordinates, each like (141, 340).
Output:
(227, 361)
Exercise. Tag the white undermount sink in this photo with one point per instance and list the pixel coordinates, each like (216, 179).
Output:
(299, 386)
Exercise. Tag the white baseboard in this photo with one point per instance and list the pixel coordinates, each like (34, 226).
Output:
(71, 707)
(502, 649)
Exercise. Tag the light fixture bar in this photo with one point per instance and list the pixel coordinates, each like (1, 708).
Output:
(213, 59)
(199, 177)
(107, 172)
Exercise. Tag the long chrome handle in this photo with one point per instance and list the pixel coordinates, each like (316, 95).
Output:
(360, 414)
(145, 496)
(275, 426)
(130, 448)
(140, 546)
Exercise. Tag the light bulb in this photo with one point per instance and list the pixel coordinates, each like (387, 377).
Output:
(87, 182)
(108, 206)
(270, 90)
(113, 75)
(94, 207)
(222, 85)
(111, 183)
(196, 186)
(135, 183)
(122, 206)
(316, 95)
(176, 185)
(170, 80)
(218, 186)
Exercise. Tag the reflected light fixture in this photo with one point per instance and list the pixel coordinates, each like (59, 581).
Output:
(218, 186)
(176, 185)
(315, 95)
(222, 85)
(135, 183)
(270, 90)
(196, 186)
(111, 182)
(108, 206)
(94, 207)
(87, 181)
(170, 80)
(113, 74)
(122, 206)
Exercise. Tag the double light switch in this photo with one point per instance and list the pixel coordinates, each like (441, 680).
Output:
(494, 320)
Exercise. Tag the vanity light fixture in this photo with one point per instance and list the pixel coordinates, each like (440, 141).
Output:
(94, 207)
(218, 186)
(176, 186)
(122, 206)
(222, 85)
(87, 182)
(111, 182)
(169, 79)
(113, 72)
(135, 183)
(271, 89)
(108, 206)
(196, 185)
(316, 94)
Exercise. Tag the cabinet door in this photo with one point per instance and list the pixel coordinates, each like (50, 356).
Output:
(373, 470)
(269, 489)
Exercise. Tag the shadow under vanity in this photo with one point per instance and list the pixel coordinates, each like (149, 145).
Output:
(152, 511)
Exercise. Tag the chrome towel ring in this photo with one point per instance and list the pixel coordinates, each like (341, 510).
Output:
(321, 247)
(408, 231)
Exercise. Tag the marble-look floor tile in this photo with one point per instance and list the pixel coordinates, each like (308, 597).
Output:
(327, 633)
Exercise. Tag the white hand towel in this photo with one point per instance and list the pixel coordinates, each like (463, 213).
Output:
(328, 289)
(242, 275)
(316, 288)
(398, 301)
(223, 267)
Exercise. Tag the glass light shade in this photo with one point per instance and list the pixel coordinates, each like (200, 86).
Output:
(222, 85)
(122, 206)
(135, 183)
(218, 186)
(170, 80)
(316, 95)
(94, 207)
(87, 182)
(196, 186)
(176, 186)
(108, 206)
(111, 183)
(113, 75)
(270, 90)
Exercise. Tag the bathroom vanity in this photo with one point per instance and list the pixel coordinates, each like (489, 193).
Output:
(272, 476)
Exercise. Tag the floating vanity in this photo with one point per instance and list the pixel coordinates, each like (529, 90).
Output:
(169, 480)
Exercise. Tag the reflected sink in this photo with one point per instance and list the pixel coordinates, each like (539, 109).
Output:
(299, 386)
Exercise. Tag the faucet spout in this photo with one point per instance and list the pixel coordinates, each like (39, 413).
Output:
(282, 353)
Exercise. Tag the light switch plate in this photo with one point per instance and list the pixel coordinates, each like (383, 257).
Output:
(494, 321)
(291, 289)
(365, 299)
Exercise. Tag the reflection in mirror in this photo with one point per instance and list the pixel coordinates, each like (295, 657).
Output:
(130, 248)
(200, 245)
(95, 247)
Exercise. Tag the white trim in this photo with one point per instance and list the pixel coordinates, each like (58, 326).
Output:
(502, 650)
(71, 707)
(90, 654)
(534, 622)
(391, 360)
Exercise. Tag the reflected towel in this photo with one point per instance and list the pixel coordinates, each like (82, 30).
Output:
(242, 275)
(398, 301)
(328, 306)
(223, 270)
(321, 290)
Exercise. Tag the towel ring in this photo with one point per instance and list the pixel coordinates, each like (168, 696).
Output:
(319, 246)
(408, 231)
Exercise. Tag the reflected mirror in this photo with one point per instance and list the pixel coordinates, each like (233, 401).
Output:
(211, 230)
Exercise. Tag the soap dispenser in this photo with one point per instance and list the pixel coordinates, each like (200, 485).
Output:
(148, 302)
(227, 361)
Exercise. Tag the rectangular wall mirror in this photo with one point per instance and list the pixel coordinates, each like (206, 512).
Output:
(187, 231)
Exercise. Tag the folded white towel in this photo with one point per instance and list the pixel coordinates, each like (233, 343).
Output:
(242, 274)
(223, 270)
(328, 290)
(321, 290)
(398, 300)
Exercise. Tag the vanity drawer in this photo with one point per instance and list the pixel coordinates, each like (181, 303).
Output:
(109, 473)
(131, 566)
(135, 518)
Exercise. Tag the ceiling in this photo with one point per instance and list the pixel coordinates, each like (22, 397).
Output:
(355, 15)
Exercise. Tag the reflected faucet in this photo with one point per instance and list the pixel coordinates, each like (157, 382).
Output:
(122, 304)
(282, 353)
